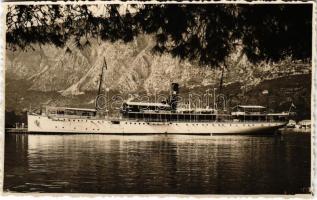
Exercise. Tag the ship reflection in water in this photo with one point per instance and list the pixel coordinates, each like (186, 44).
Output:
(157, 164)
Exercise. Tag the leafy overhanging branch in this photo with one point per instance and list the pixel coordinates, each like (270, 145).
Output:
(200, 33)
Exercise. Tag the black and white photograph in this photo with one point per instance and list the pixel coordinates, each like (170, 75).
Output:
(159, 98)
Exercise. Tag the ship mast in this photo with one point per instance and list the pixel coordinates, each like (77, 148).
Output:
(99, 95)
(101, 75)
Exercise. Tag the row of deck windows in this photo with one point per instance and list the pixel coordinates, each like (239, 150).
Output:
(102, 121)
(186, 125)
(85, 129)
(135, 123)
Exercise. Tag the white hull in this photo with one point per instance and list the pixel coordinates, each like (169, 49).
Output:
(44, 124)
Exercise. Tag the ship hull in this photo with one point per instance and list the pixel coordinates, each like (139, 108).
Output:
(45, 124)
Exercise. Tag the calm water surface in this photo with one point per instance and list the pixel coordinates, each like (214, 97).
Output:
(157, 164)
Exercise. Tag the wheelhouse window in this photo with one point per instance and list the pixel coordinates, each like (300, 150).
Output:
(61, 111)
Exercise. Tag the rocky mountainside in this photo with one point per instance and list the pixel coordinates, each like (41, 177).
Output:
(131, 67)
(70, 75)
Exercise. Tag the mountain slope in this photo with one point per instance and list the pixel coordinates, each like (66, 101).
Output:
(69, 76)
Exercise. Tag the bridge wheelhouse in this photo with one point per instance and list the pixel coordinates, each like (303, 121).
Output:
(70, 112)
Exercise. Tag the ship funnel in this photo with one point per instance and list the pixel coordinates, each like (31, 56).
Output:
(174, 96)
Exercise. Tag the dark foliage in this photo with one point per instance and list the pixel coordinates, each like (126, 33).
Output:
(271, 31)
(11, 118)
(203, 33)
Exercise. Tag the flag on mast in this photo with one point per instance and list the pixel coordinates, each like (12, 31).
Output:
(293, 105)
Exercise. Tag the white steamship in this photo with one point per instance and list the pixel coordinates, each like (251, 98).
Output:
(157, 118)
